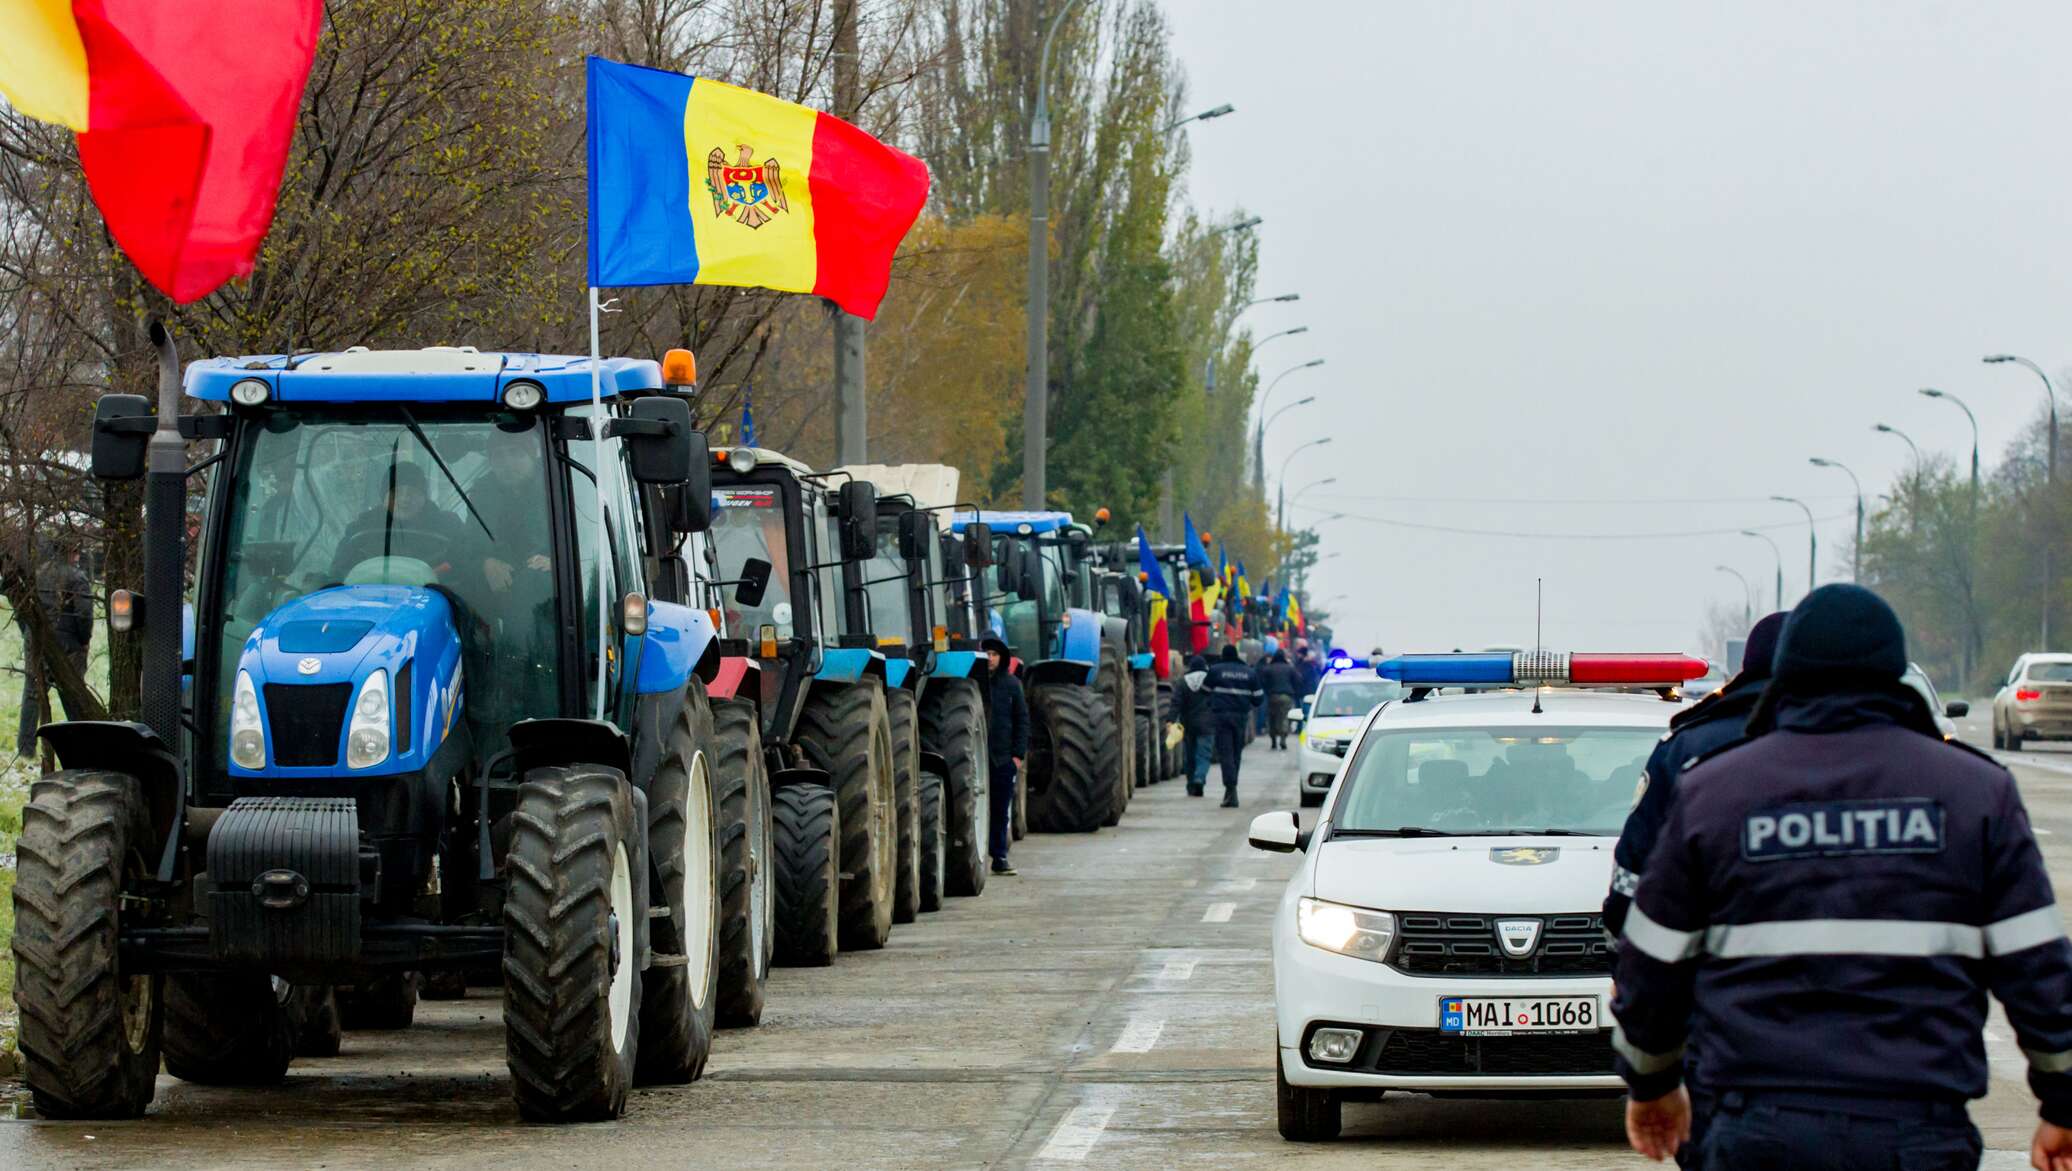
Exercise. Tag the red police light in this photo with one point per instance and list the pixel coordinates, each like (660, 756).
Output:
(1634, 669)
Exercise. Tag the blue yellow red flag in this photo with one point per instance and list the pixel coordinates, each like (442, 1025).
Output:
(1197, 553)
(1147, 564)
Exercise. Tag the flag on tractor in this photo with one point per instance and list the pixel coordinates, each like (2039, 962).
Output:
(696, 182)
(1244, 588)
(1295, 613)
(1154, 580)
(1148, 566)
(1197, 553)
(1197, 595)
(183, 112)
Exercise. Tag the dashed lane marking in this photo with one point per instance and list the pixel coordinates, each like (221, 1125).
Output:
(1139, 1035)
(1178, 970)
(1077, 1132)
(1218, 913)
(1236, 885)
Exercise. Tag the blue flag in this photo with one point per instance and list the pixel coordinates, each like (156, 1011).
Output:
(747, 419)
(1147, 562)
(1197, 553)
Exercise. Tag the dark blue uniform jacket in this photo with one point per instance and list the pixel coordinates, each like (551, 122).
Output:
(1827, 907)
(1234, 689)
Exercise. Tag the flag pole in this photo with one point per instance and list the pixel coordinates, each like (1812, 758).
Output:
(597, 482)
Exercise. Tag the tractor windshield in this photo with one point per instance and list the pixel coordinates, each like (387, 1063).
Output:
(323, 497)
(885, 578)
(748, 521)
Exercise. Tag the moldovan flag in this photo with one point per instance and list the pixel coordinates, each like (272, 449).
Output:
(184, 113)
(696, 182)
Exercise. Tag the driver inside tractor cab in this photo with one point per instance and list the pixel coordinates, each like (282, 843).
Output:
(402, 527)
(748, 521)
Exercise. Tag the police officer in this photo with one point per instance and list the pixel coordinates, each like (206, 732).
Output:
(1827, 905)
(1234, 690)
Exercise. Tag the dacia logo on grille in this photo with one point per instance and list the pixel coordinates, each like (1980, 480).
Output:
(1518, 936)
(309, 666)
(1524, 855)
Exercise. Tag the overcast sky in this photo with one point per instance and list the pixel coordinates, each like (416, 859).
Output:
(1590, 264)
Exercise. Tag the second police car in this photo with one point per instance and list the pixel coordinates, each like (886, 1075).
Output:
(1337, 711)
(1442, 932)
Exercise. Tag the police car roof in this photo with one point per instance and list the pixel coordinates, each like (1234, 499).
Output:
(434, 374)
(1559, 707)
(1011, 521)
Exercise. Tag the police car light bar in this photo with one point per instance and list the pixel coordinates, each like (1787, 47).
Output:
(1536, 668)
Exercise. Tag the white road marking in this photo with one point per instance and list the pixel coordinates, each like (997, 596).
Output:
(1077, 1132)
(1236, 885)
(1218, 913)
(1139, 1035)
(1178, 970)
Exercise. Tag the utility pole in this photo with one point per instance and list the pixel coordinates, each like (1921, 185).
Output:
(1036, 407)
(2050, 489)
(851, 422)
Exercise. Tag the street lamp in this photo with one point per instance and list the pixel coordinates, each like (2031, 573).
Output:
(1259, 435)
(1237, 226)
(1812, 540)
(1300, 402)
(1281, 481)
(1747, 594)
(1931, 392)
(1282, 333)
(1856, 561)
(1889, 429)
(1313, 484)
(1273, 300)
(1913, 475)
(1204, 116)
(1036, 406)
(1775, 552)
(2050, 480)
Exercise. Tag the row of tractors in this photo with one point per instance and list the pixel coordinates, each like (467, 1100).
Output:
(489, 671)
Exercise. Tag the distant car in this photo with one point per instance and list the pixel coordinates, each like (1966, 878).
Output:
(2035, 702)
(1946, 715)
(1704, 685)
(1336, 711)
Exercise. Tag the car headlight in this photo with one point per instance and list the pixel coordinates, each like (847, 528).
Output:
(247, 736)
(1351, 931)
(367, 741)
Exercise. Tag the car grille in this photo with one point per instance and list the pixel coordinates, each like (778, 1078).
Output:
(303, 721)
(1466, 945)
(1430, 1052)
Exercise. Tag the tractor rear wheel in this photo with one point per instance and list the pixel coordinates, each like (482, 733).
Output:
(1067, 792)
(845, 732)
(1147, 762)
(953, 725)
(385, 1003)
(806, 847)
(906, 773)
(228, 1028)
(571, 975)
(742, 779)
(314, 1009)
(677, 998)
(89, 1033)
(1118, 753)
(934, 842)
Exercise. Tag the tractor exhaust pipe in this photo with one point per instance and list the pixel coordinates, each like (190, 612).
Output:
(165, 553)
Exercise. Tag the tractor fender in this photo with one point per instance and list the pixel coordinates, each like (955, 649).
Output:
(1052, 671)
(677, 642)
(900, 673)
(1141, 661)
(850, 665)
(801, 776)
(541, 743)
(935, 762)
(736, 677)
(122, 746)
(954, 664)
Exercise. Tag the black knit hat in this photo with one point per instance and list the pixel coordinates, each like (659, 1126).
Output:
(1841, 631)
(1760, 653)
(994, 644)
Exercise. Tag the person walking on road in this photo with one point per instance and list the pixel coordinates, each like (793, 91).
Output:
(1828, 904)
(66, 597)
(1715, 722)
(1198, 722)
(1234, 690)
(1007, 744)
(1282, 683)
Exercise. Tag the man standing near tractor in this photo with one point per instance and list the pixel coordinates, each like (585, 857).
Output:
(1007, 744)
(1234, 691)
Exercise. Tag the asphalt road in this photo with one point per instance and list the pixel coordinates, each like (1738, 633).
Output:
(1110, 1007)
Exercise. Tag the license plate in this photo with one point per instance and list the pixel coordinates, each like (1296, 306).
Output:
(1498, 1016)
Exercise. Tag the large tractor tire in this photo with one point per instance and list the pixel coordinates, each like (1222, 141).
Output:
(746, 903)
(228, 1028)
(806, 847)
(1018, 806)
(935, 842)
(313, 1009)
(1150, 747)
(900, 710)
(953, 725)
(844, 731)
(571, 975)
(678, 997)
(89, 1032)
(1147, 759)
(382, 1004)
(1118, 759)
(1067, 791)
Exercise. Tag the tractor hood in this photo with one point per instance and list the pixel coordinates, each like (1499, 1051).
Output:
(326, 636)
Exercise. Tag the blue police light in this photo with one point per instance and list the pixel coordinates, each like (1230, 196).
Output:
(1533, 668)
(1440, 670)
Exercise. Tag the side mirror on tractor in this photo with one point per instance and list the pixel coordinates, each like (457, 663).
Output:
(914, 529)
(755, 580)
(690, 509)
(659, 442)
(978, 545)
(118, 443)
(858, 505)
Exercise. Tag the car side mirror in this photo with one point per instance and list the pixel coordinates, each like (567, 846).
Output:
(1278, 832)
(658, 435)
(914, 526)
(857, 503)
(755, 581)
(118, 451)
(978, 544)
(1957, 709)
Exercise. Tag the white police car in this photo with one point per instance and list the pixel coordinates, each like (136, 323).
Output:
(1336, 713)
(1443, 932)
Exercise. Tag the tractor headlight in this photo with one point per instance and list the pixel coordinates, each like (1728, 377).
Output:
(524, 395)
(249, 392)
(367, 741)
(247, 737)
(742, 460)
(1350, 931)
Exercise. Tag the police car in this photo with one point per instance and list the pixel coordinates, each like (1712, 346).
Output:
(1336, 713)
(1443, 933)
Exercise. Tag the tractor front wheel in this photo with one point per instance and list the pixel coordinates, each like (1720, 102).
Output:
(742, 779)
(806, 842)
(953, 725)
(228, 1028)
(845, 732)
(900, 710)
(677, 1001)
(1067, 790)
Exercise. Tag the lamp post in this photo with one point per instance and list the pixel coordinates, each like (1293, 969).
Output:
(1931, 392)
(1313, 484)
(1281, 480)
(1889, 429)
(2050, 481)
(1282, 333)
(1974, 639)
(1274, 300)
(1259, 434)
(1856, 559)
(1812, 540)
(1913, 471)
(1204, 116)
(1237, 225)
(1036, 406)
(1747, 594)
(1778, 553)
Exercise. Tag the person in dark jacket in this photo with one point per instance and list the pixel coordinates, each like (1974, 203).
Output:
(1828, 904)
(1234, 691)
(1710, 724)
(1283, 686)
(1007, 744)
(1198, 723)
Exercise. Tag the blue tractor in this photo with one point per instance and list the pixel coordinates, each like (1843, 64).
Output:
(444, 709)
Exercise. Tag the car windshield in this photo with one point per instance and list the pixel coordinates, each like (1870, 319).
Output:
(1495, 780)
(2050, 673)
(1355, 698)
(748, 521)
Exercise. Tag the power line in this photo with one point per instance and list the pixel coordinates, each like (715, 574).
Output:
(1655, 536)
(1671, 500)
